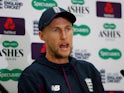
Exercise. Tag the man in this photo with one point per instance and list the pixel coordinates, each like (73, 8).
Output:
(55, 71)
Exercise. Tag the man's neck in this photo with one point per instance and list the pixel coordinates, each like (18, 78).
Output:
(57, 60)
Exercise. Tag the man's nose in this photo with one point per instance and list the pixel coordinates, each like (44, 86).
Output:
(64, 34)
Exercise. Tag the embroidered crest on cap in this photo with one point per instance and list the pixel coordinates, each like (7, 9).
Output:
(56, 9)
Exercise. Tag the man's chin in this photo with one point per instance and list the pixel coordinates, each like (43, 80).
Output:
(62, 55)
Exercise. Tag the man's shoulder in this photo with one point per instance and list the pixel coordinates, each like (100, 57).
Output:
(84, 65)
(82, 62)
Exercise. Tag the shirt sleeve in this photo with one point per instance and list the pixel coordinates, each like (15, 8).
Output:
(96, 79)
(29, 84)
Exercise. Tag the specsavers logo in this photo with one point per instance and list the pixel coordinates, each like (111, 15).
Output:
(113, 53)
(83, 30)
(109, 26)
(43, 4)
(6, 74)
(80, 2)
(12, 44)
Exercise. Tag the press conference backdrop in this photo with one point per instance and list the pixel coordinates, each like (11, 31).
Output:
(98, 37)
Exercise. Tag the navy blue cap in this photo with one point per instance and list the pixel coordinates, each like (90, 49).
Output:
(53, 12)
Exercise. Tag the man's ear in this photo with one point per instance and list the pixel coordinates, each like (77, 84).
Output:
(41, 35)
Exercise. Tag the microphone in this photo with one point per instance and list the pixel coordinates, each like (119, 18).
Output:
(122, 72)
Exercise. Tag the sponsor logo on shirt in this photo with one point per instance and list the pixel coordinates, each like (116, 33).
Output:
(55, 88)
(89, 84)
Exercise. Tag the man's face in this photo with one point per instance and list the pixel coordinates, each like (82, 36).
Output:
(58, 37)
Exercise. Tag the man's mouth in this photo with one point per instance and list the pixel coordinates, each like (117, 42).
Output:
(64, 46)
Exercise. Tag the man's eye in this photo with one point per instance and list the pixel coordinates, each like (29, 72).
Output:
(56, 30)
(68, 29)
